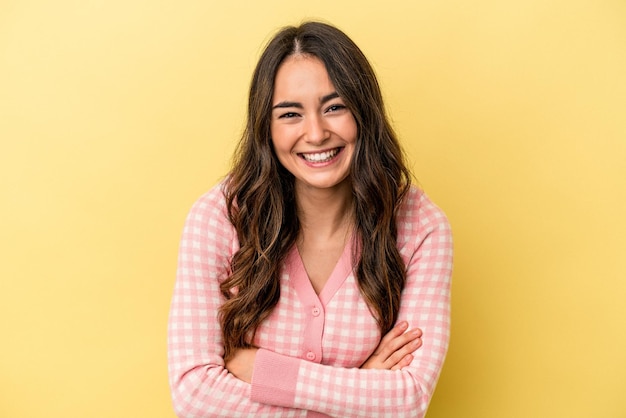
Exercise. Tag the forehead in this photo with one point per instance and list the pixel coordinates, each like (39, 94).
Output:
(302, 75)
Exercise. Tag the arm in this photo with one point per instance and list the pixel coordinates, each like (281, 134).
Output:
(290, 382)
(393, 353)
(200, 385)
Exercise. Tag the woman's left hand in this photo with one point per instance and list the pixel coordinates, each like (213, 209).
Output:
(395, 350)
(241, 363)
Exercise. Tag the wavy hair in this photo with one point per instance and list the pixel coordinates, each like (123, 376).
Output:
(261, 198)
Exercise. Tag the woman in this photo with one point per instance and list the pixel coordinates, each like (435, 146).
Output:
(313, 248)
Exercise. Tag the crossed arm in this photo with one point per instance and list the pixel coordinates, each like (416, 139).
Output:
(398, 379)
(394, 352)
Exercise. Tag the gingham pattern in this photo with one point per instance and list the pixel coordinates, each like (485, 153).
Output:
(349, 339)
(336, 328)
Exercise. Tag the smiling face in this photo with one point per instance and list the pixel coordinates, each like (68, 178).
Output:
(313, 132)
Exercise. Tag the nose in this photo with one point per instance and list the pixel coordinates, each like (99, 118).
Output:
(316, 132)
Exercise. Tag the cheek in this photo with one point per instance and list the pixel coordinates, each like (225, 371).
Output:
(350, 130)
(352, 133)
(278, 138)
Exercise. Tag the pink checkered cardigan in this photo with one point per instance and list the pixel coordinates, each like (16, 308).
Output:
(312, 345)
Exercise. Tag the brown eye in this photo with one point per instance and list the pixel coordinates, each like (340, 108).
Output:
(288, 115)
(335, 108)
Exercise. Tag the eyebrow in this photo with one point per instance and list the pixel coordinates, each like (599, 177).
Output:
(298, 105)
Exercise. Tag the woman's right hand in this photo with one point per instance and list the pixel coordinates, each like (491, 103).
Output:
(396, 349)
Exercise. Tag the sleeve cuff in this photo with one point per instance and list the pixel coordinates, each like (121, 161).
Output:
(274, 378)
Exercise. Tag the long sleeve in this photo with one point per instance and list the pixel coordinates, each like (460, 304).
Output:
(200, 385)
(285, 383)
(352, 392)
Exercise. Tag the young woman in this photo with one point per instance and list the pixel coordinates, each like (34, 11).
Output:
(307, 277)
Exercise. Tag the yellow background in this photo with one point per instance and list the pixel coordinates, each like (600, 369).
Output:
(116, 115)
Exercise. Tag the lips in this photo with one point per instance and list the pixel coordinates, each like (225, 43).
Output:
(320, 157)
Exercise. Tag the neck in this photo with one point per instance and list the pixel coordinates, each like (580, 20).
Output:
(324, 212)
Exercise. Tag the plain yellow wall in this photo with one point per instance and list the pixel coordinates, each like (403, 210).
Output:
(116, 115)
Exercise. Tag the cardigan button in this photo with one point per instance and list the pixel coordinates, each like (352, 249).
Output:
(310, 356)
(316, 311)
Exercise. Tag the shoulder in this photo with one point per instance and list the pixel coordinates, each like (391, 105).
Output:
(209, 215)
(211, 202)
(419, 216)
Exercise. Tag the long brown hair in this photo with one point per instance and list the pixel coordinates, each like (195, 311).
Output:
(261, 198)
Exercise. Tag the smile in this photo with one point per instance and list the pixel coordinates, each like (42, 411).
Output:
(320, 157)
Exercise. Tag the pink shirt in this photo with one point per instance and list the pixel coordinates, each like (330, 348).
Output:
(311, 345)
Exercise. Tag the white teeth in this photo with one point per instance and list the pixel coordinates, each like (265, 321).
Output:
(320, 157)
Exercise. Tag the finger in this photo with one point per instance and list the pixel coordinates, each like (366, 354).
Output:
(395, 332)
(406, 360)
(417, 332)
(389, 348)
(399, 354)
